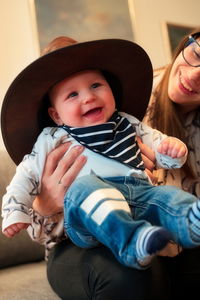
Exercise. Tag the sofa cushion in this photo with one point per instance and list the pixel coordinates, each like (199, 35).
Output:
(19, 249)
(26, 282)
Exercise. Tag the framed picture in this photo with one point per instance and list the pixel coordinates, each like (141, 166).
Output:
(82, 19)
(173, 33)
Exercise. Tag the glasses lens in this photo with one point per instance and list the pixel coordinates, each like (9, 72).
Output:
(191, 52)
(196, 35)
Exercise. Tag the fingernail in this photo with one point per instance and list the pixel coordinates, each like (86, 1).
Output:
(79, 148)
(83, 158)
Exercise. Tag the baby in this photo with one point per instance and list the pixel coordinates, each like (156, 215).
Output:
(112, 201)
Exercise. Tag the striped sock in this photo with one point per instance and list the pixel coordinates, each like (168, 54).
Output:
(151, 240)
(194, 220)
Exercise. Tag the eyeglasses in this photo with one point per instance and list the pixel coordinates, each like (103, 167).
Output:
(191, 52)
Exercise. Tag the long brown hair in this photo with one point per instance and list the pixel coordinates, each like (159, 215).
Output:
(165, 114)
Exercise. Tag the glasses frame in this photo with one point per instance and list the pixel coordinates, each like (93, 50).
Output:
(191, 40)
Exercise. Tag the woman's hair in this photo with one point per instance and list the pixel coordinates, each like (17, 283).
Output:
(57, 43)
(165, 114)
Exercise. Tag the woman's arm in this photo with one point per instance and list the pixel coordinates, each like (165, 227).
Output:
(60, 170)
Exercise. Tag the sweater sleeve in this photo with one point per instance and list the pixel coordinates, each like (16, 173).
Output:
(26, 182)
(152, 138)
(46, 230)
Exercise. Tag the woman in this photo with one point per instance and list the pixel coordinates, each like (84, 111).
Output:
(180, 80)
(175, 110)
(95, 271)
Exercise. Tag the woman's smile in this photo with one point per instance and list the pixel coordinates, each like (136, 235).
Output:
(186, 86)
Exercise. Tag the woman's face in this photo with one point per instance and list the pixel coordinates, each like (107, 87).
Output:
(184, 83)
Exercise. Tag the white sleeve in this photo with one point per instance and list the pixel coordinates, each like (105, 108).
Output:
(152, 138)
(26, 182)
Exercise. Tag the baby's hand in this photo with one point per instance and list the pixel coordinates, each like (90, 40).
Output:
(172, 147)
(13, 229)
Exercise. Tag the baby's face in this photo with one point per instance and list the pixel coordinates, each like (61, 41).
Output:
(82, 99)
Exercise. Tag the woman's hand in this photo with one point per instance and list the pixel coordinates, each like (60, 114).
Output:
(59, 173)
(148, 157)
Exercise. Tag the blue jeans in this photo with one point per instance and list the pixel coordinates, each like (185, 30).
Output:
(114, 211)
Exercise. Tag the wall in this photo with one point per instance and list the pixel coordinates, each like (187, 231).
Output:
(18, 40)
(148, 17)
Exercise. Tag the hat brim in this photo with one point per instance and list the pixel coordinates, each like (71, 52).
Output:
(127, 61)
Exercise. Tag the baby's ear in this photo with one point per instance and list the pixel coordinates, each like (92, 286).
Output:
(54, 115)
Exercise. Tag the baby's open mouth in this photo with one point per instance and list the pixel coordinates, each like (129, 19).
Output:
(93, 112)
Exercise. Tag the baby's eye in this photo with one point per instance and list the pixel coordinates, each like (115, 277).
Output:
(73, 94)
(96, 85)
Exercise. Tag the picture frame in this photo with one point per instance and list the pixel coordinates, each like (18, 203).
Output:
(173, 33)
(82, 21)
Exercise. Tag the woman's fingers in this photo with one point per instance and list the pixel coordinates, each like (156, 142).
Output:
(148, 155)
(151, 175)
(68, 165)
(54, 157)
(150, 165)
(73, 171)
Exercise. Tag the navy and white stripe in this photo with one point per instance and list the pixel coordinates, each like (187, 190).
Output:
(151, 240)
(115, 139)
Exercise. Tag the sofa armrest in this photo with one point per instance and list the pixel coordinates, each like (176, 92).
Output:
(19, 249)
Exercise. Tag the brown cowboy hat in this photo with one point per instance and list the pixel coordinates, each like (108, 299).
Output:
(126, 65)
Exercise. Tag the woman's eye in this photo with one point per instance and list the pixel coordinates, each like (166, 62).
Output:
(197, 54)
(95, 85)
(73, 94)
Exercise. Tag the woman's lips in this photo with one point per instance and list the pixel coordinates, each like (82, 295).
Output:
(185, 87)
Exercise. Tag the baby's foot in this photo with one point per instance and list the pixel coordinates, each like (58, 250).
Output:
(150, 242)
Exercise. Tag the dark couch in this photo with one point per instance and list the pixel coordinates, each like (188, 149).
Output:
(22, 265)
